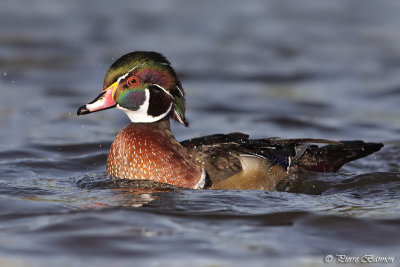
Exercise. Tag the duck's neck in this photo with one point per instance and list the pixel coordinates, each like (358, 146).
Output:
(150, 151)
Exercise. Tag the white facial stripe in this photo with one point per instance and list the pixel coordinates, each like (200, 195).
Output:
(122, 77)
(180, 91)
(165, 91)
(179, 117)
(141, 115)
(126, 74)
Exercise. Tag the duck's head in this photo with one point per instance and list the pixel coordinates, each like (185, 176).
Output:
(145, 86)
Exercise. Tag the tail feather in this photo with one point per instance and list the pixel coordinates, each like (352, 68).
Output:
(331, 158)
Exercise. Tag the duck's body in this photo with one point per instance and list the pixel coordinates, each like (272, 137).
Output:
(144, 85)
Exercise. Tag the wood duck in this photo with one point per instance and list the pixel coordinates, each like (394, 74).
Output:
(145, 86)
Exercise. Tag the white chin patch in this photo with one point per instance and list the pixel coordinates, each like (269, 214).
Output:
(141, 115)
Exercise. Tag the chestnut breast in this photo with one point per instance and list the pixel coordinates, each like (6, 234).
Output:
(149, 151)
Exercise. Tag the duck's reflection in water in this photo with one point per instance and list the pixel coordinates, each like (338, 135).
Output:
(136, 193)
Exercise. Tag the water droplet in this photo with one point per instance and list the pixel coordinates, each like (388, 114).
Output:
(12, 81)
(5, 74)
(83, 125)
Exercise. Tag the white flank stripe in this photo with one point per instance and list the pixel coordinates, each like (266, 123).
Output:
(202, 182)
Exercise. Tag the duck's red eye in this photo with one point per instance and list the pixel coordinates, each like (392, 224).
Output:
(132, 81)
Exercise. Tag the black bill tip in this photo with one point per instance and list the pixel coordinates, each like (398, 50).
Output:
(83, 110)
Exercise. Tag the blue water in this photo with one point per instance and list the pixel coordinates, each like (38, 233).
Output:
(268, 68)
